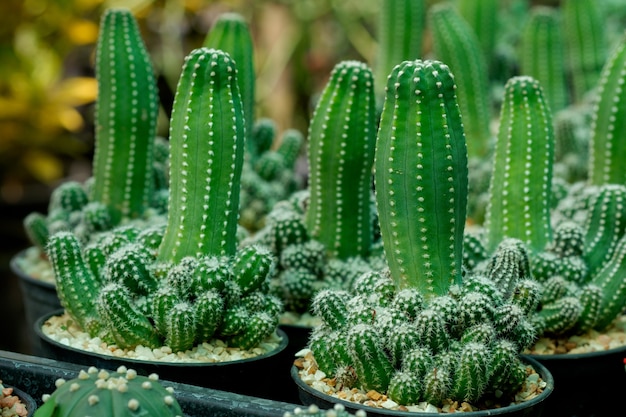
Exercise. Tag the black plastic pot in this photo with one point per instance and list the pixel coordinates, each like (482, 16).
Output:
(586, 384)
(37, 376)
(38, 297)
(28, 401)
(258, 377)
(530, 408)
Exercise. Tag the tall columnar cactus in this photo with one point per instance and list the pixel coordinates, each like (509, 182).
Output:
(207, 141)
(400, 34)
(457, 45)
(126, 114)
(585, 44)
(542, 55)
(608, 127)
(482, 16)
(230, 33)
(341, 153)
(520, 189)
(122, 393)
(421, 148)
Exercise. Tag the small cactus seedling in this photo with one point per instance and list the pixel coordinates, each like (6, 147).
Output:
(123, 393)
(419, 331)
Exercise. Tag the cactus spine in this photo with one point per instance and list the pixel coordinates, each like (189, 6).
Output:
(207, 140)
(421, 133)
(520, 190)
(230, 34)
(457, 45)
(542, 55)
(341, 153)
(126, 113)
(608, 126)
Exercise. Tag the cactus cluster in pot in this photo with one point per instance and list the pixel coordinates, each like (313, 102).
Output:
(113, 394)
(326, 235)
(422, 330)
(268, 174)
(576, 253)
(129, 172)
(185, 281)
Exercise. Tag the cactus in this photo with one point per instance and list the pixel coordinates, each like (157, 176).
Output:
(230, 34)
(122, 393)
(608, 126)
(520, 189)
(400, 32)
(341, 153)
(584, 44)
(482, 17)
(417, 332)
(126, 115)
(456, 44)
(204, 196)
(423, 242)
(338, 410)
(541, 55)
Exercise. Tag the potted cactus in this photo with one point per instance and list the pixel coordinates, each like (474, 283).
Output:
(128, 182)
(421, 332)
(181, 287)
(115, 394)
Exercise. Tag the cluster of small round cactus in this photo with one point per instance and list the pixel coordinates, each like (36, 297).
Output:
(113, 394)
(314, 411)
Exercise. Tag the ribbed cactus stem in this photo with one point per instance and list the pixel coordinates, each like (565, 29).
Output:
(76, 285)
(207, 140)
(400, 33)
(126, 115)
(584, 43)
(421, 177)
(457, 45)
(231, 34)
(608, 126)
(542, 55)
(610, 280)
(482, 17)
(341, 153)
(520, 189)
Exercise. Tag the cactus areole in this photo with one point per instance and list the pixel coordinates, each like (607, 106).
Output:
(421, 177)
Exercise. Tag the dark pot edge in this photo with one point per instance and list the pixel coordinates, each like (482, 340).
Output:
(571, 356)
(15, 268)
(26, 399)
(540, 368)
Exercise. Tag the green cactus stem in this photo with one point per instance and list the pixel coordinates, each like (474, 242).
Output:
(207, 140)
(341, 152)
(122, 393)
(542, 55)
(610, 280)
(457, 45)
(126, 114)
(77, 287)
(400, 33)
(608, 125)
(372, 365)
(482, 17)
(520, 189)
(585, 44)
(230, 33)
(421, 178)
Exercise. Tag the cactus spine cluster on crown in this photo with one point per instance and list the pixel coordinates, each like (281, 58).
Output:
(126, 115)
(122, 393)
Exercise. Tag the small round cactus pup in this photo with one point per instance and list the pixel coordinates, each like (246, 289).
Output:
(114, 394)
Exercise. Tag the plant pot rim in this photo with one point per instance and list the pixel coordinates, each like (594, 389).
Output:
(545, 374)
(157, 364)
(25, 398)
(17, 270)
(571, 356)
